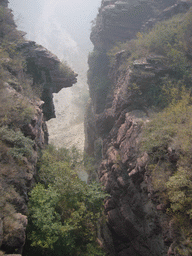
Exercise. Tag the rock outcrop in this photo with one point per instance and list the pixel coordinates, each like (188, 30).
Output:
(136, 221)
(46, 69)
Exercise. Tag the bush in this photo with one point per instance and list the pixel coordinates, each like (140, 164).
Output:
(179, 189)
(16, 110)
(19, 144)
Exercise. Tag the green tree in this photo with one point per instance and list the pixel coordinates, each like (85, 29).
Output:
(63, 210)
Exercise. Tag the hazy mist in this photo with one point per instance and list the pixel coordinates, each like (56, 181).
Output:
(60, 25)
(63, 27)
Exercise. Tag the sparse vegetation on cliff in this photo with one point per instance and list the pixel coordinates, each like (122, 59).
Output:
(167, 140)
(23, 131)
(152, 74)
(167, 38)
(17, 154)
(167, 137)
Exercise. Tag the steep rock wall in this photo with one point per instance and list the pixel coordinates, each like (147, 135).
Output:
(23, 130)
(136, 221)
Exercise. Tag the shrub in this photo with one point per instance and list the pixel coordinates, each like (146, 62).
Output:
(179, 189)
(42, 209)
(16, 110)
(10, 37)
(20, 145)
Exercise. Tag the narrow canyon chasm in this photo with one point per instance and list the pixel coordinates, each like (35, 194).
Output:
(97, 163)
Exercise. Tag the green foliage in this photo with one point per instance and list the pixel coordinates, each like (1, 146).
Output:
(169, 43)
(124, 48)
(16, 110)
(160, 174)
(168, 38)
(168, 139)
(179, 189)
(171, 124)
(46, 222)
(20, 145)
(163, 35)
(63, 209)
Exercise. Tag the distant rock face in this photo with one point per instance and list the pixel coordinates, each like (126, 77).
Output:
(136, 221)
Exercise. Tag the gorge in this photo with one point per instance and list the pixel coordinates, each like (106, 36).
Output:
(137, 138)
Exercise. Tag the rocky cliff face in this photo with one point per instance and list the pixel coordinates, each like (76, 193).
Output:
(119, 21)
(118, 111)
(29, 74)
